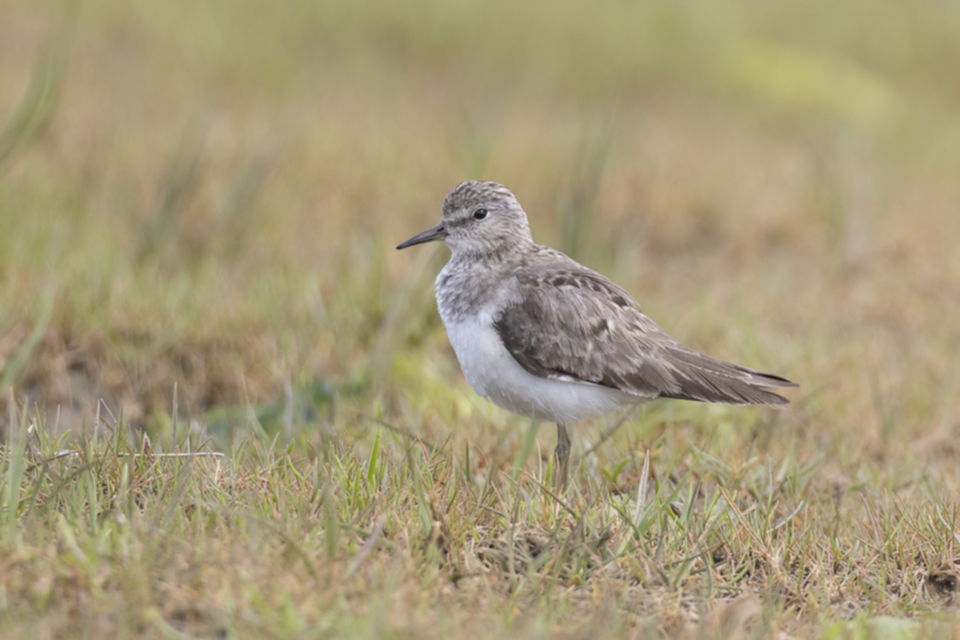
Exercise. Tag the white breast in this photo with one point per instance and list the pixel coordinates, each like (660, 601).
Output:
(492, 372)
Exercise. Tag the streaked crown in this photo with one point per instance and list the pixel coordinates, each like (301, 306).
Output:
(484, 218)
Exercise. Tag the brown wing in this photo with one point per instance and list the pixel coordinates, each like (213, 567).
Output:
(579, 324)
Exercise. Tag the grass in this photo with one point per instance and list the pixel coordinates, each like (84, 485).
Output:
(198, 209)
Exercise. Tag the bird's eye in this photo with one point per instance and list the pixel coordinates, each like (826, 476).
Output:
(479, 214)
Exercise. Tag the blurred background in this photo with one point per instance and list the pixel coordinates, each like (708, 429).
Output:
(206, 196)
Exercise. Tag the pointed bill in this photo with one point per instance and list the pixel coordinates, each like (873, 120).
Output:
(439, 232)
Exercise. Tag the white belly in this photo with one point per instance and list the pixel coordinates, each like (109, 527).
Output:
(493, 373)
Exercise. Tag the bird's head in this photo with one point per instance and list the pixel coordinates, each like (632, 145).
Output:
(478, 218)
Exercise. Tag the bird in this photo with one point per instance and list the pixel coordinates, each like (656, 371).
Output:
(545, 337)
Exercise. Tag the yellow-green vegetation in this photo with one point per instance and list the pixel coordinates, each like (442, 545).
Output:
(198, 207)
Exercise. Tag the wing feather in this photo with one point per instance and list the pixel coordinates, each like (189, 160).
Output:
(577, 324)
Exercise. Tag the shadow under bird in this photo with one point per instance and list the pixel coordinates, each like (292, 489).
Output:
(543, 336)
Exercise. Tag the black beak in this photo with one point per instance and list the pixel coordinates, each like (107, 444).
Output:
(439, 232)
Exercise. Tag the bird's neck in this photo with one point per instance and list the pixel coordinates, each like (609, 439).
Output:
(469, 282)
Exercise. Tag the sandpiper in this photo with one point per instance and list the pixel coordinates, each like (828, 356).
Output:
(543, 336)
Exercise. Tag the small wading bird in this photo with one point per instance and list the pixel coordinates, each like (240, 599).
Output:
(545, 337)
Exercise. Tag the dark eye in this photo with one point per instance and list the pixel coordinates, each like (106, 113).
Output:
(479, 214)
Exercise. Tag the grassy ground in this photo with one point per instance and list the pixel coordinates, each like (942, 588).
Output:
(198, 209)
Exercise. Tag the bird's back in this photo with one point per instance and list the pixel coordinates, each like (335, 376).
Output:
(565, 321)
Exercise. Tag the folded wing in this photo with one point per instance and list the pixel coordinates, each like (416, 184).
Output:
(577, 324)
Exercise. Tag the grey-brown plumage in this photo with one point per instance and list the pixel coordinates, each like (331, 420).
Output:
(606, 339)
(543, 336)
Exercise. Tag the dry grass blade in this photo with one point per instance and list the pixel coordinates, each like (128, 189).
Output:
(368, 546)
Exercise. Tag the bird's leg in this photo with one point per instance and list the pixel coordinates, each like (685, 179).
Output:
(562, 454)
